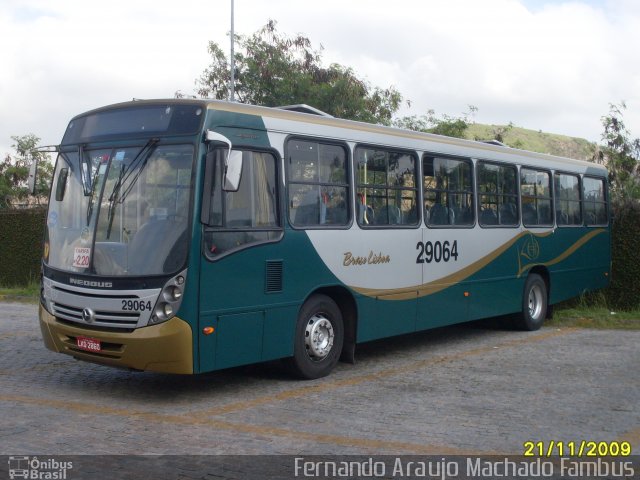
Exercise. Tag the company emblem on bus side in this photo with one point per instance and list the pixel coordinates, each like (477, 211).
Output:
(88, 315)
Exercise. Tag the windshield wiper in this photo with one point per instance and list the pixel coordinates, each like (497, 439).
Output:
(142, 160)
(112, 198)
(122, 179)
(93, 192)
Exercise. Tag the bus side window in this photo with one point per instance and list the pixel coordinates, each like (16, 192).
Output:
(386, 184)
(498, 194)
(568, 203)
(448, 191)
(250, 214)
(594, 201)
(535, 195)
(318, 184)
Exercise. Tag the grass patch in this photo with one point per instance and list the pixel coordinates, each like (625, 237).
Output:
(591, 311)
(28, 294)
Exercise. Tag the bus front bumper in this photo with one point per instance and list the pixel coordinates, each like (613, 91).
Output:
(166, 348)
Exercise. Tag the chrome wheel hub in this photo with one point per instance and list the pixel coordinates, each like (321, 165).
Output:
(318, 337)
(535, 302)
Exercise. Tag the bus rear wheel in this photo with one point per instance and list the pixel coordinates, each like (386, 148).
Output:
(534, 303)
(318, 338)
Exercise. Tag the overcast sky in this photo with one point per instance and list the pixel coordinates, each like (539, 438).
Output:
(546, 65)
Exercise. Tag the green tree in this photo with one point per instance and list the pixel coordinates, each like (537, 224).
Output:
(621, 154)
(14, 172)
(440, 125)
(272, 69)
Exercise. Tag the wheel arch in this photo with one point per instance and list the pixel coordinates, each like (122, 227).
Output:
(349, 309)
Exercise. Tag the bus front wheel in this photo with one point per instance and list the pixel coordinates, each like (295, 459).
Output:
(318, 338)
(534, 303)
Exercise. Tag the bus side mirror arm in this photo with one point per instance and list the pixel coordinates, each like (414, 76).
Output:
(33, 175)
(232, 162)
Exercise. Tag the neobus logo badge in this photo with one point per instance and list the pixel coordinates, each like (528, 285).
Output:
(90, 283)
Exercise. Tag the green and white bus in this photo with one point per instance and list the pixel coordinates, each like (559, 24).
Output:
(186, 236)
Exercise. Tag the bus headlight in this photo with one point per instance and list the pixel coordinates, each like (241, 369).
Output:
(172, 293)
(46, 294)
(170, 299)
(164, 311)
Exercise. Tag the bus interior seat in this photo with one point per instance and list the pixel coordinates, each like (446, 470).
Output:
(488, 217)
(338, 215)
(462, 216)
(562, 217)
(110, 257)
(529, 216)
(441, 215)
(155, 239)
(389, 215)
(410, 217)
(544, 214)
(308, 211)
(508, 214)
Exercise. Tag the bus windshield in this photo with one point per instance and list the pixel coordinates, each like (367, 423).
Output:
(120, 211)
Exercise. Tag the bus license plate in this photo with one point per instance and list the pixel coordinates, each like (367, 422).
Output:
(88, 344)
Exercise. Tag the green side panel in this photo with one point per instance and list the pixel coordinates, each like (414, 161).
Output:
(491, 297)
(236, 283)
(446, 307)
(239, 339)
(588, 268)
(383, 317)
(241, 129)
(279, 330)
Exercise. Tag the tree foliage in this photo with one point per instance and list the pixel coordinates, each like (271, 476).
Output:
(272, 69)
(14, 172)
(621, 154)
(441, 125)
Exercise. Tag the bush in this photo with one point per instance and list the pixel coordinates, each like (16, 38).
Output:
(21, 236)
(624, 292)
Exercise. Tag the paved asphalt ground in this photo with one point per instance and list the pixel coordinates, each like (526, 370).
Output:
(470, 389)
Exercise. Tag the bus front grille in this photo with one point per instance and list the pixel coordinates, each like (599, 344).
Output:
(100, 318)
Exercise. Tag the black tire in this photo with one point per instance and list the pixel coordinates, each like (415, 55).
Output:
(318, 338)
(534, 304)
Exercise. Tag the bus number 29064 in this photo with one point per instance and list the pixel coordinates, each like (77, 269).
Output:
(437, 251)
(136, 305)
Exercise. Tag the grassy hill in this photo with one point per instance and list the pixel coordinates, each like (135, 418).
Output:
(536, 141)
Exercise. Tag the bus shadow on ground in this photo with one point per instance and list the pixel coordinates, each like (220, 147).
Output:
(161, 388)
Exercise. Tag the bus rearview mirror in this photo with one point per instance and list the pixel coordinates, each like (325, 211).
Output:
(61, 185)
(233, 171)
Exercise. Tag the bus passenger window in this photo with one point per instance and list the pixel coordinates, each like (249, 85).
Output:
(497, 194)
(386, 187)
(567, 191)
(594, 201)
(535, 194)
(318, 184)
(448, 191)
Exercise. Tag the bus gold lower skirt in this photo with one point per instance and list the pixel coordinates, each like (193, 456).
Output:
(167, 347)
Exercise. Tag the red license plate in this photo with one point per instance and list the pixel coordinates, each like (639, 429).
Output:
(88, 344)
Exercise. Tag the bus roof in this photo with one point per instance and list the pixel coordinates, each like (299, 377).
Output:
(295, 121)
